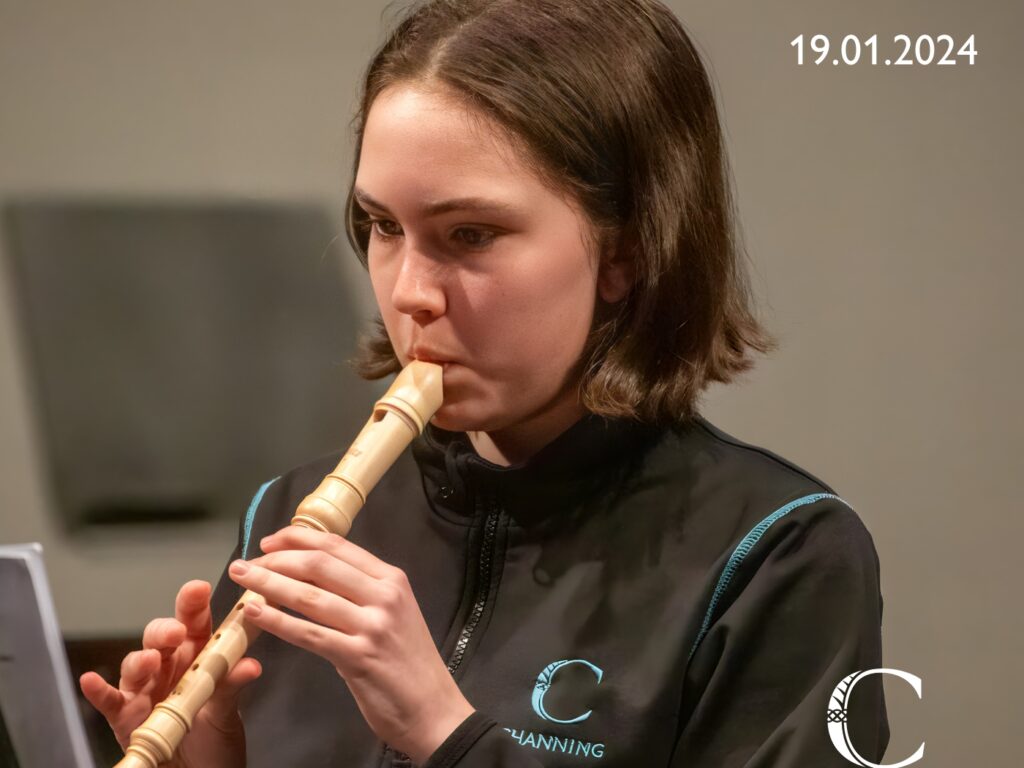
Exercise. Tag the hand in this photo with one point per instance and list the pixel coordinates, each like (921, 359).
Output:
(147, 676)
(363, 618)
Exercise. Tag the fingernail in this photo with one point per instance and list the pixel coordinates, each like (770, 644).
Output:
(239, 567)
(253, 609)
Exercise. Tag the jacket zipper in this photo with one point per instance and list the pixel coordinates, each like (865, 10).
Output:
(483, 587)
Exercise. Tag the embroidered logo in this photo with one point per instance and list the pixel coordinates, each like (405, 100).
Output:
(548, 742)
(544, 680)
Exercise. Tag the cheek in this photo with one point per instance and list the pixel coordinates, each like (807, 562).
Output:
(534, 318)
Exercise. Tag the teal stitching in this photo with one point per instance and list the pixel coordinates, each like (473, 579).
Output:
(743, 549)
(250, 515)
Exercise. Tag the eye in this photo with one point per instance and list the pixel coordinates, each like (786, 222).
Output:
(474, 237)
(384, 229)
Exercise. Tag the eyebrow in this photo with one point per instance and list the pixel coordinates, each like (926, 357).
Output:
(479, 204)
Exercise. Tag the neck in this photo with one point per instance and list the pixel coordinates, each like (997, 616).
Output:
(516, 444)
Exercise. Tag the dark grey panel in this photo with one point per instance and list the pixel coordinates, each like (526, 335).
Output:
(181, 354)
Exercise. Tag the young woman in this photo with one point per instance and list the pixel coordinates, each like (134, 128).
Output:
(571, 565)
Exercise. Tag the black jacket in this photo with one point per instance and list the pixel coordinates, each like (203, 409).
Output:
(630, 596)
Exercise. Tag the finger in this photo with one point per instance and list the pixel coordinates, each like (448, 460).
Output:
(308, 599)
(137, 669)
(243, 673)
(223, 701)
(164, 635)
(325, 571)
(102, 695)
(299, 537)
(192, 608)
(340, 649)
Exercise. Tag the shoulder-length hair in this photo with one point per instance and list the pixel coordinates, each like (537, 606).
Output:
(611, 102)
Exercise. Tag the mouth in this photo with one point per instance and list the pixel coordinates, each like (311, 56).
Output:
(445, 364)
(428, 356)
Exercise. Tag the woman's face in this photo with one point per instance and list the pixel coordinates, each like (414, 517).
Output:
(474, 262)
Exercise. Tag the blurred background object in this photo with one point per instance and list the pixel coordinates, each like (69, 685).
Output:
(180, 354)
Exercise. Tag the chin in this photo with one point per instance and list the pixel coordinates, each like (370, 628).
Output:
(466, 417)
(453, 420)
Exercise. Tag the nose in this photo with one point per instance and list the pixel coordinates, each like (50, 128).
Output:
(419, 287)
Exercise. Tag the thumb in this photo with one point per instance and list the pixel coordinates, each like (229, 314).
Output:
(223, 703)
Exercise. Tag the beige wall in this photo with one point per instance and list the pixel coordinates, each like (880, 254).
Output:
(878, 208)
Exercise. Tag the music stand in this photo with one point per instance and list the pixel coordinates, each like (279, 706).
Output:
(37, 697)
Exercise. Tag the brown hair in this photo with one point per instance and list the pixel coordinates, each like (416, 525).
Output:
(613, 105)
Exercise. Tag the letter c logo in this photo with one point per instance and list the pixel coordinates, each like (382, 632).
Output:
(544, 683)
(838, 727)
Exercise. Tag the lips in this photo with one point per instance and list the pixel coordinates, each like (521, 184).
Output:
(429, 355)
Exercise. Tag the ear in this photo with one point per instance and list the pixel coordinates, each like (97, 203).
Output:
(615, 276)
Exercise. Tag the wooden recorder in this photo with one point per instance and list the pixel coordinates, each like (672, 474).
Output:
(398, 417)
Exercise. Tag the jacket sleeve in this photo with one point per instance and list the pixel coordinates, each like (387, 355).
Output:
(479, 743)
(800, 612)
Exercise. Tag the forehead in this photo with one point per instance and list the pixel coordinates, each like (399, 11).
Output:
(423, 142)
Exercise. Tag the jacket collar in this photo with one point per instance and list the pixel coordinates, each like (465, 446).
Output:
(581, 461)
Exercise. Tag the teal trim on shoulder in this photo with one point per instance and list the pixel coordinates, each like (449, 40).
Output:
(743, 549)
(250, 515)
